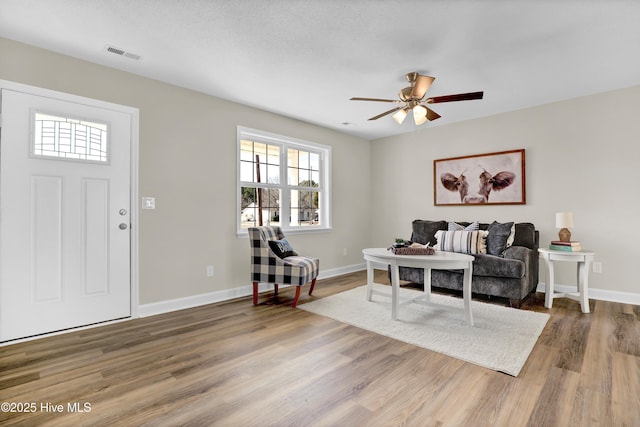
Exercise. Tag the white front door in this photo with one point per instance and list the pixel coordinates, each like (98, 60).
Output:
(65, 182)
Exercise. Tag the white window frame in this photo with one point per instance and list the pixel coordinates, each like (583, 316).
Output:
(285, 143)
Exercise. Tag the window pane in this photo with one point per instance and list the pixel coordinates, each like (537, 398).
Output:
(261, 175)
(260, 149)
(274, 155)
(314, 161)
(251, 199)
(246, 151)
(303, 168)
(246, 171)
(292, 158)
(304, 208)
(67, 138)
(303, 159)
(304, 178)
(267, 159)
(292, 167)
(273, 174)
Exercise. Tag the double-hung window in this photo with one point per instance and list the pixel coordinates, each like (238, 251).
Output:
(282, 181)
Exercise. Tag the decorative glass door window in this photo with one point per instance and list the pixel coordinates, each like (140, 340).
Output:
(69, 139)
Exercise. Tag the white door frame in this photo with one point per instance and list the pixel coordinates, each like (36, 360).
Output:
(134, 113)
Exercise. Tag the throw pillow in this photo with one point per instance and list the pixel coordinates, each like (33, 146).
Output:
(282, 248)
(454, 226)
(423, 231)
(461, 241)
(500, 237)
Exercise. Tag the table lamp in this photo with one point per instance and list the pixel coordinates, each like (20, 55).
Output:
(564, 220)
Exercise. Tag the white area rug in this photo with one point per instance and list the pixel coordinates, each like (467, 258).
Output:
(501, 338)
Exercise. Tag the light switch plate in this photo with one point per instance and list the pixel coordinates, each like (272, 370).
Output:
(148, 203)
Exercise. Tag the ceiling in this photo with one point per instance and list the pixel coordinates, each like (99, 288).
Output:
(305, 58)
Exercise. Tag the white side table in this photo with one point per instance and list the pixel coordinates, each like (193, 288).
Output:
(583, 260)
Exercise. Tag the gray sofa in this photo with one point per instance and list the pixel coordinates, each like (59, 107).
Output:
(507, 273)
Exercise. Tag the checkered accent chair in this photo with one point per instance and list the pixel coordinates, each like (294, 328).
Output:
(267, 267)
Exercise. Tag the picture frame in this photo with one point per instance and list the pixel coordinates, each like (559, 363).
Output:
(480, 179)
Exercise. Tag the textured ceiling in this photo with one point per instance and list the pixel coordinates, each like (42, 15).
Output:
(306, 58)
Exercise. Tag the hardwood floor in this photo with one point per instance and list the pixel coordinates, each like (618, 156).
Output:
(233, 364)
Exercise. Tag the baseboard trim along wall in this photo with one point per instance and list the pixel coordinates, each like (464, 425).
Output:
(151, 309)
(599, 294)
(146, 310)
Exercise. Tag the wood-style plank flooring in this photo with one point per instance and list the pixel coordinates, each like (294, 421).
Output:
(233, 364)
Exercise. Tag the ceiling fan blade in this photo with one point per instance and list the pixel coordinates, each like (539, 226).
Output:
(393, 110)
(421, 86)
(432, 115)
(458, 97)
(374, 99)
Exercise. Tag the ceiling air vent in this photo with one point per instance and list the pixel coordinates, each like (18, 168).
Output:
(121, 52)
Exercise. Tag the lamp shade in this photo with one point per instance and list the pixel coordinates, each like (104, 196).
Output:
(564, 220)
(419, 114)
(399, 116)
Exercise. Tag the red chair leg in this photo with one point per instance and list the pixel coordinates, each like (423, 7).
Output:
(313, 283)
(255, 293)
(295, 299)
(275, 288)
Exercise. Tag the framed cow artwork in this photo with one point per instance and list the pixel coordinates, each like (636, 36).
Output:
(480, 179)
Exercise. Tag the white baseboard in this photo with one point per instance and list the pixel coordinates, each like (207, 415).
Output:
(145, 310)
(598, 294)
(160, 307)
(341, 270)
(167, 306)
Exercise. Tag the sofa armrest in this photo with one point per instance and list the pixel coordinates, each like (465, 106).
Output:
(530, 259)
(518, 252)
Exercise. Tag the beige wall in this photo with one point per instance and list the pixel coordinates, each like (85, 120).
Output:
(188, 162)
(582, 155)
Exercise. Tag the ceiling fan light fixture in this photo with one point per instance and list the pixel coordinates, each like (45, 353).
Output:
(399, 116)
(419, 114)
(413, 98)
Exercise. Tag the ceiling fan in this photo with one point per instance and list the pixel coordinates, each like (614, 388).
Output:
(412, 98)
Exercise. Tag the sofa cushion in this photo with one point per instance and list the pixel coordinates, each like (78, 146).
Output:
(486, 265)
(424, 231)
(494, 266)
(500, 237)
(525, 235)
(466, 242)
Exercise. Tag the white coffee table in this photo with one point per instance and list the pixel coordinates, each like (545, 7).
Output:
(583, 260)
(439, 261)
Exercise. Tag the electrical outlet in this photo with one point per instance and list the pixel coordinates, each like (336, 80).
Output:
(597, 267)
(210, 271)
(344, 251)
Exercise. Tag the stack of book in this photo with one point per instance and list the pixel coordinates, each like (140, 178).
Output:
(572, 246)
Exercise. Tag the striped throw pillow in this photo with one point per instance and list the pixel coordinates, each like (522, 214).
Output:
(466, 242)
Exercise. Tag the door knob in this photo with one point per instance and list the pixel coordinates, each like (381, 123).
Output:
(123, 226)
